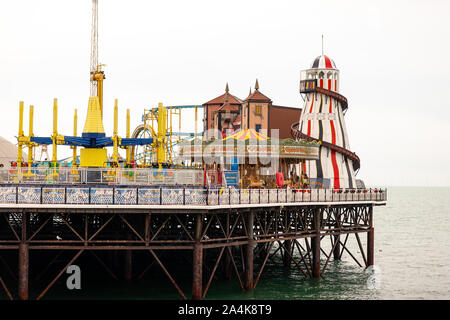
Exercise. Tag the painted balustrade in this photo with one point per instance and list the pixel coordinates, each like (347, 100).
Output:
(131, 195)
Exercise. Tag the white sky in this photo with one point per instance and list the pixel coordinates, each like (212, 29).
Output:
(394, 58)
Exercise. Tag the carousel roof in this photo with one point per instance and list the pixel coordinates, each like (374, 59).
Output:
(247, 134)
(251, 139)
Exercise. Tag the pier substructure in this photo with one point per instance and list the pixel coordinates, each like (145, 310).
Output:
(244, 240)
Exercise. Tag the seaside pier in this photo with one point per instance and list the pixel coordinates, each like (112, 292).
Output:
(262, 185)
(224, 204)
(228, 231)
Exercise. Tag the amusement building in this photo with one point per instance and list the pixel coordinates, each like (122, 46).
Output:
(257, 184)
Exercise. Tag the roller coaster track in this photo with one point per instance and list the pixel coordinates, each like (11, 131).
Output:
(296, 134)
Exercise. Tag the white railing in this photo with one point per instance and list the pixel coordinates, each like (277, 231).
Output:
(82, 195)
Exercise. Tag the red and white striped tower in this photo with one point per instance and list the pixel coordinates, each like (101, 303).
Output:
(322, 119)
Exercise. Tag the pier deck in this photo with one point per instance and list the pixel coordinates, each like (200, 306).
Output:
(238, 229)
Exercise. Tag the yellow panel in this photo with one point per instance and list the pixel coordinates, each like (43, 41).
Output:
(94, 122)
(93, 157)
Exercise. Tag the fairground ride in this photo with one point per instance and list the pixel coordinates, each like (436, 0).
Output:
(160, 124)
(152, 143)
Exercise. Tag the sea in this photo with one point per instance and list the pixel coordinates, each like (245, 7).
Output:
(412, 261)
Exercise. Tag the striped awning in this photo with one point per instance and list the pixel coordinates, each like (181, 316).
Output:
(247, 135)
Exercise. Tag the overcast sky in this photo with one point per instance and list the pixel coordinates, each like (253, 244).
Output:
(394, 59)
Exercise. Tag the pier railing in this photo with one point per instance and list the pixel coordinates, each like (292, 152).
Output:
(179, 196)
(108, 175)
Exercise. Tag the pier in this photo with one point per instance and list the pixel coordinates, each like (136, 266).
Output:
(218, 230)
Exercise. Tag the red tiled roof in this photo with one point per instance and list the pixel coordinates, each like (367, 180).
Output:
(256, 95)
(221, 99)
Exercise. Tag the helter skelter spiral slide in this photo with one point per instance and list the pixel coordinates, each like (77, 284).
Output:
(322, 120)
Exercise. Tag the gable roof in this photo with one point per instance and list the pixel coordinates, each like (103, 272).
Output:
(221, 99)
(256, 95)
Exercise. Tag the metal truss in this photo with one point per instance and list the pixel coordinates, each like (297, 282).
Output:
(303, 238)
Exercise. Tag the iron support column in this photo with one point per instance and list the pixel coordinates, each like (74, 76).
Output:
(197, 261)
(337, 248)
(337, 238)
(23, 261)
(227, 261)
(315, 243)
(227, 265)
(128, 267)
(287, 255)
(249, 253)
(370, 239)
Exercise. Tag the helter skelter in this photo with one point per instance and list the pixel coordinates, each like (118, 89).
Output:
(323, 120)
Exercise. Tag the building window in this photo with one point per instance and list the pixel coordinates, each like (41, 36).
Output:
(258, 110)
(257, 127)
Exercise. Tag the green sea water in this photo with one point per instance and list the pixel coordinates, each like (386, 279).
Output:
(412, 261)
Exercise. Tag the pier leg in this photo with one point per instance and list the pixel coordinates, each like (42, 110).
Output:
(315, 244)
(197, 262)
(337, 238)
(370, 240)
(337, 248)
(370, 247)
(227, 260)
(288, 248)
(23, 271)
(116, 256)
(23, 262)
(249, 254)
(128, 265)
(227, 266)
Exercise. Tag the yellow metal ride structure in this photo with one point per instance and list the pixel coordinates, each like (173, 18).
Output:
(153, 141)
(158, 124)
(93, 139)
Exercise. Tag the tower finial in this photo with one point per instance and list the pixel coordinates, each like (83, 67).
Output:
(322, 44)
(250, 93)
(256, 85)
(226, 94)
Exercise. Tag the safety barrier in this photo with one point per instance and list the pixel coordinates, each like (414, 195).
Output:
(112, 176)
(179, 196)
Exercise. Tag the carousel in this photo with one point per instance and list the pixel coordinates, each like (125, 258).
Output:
(253, 158)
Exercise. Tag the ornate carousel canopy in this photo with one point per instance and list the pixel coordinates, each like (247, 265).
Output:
(250, 142)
